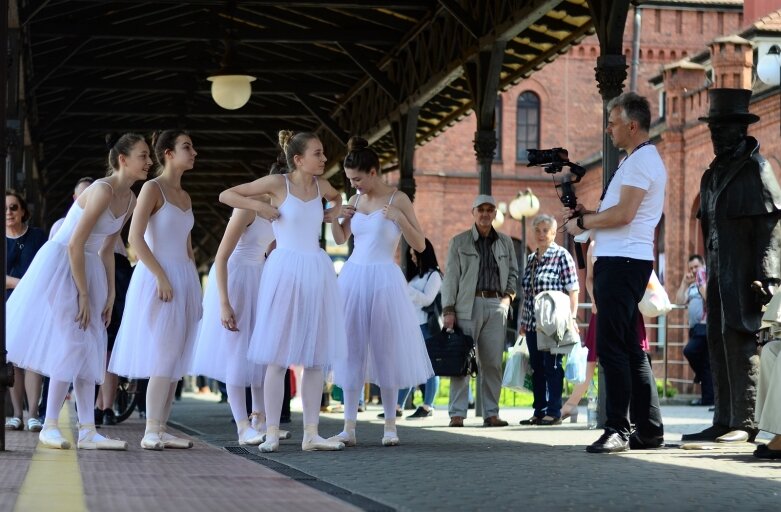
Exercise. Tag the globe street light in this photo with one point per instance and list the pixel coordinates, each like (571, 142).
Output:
(769, 66)
(525, 204)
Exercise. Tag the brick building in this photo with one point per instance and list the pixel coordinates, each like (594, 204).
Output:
(559, 106)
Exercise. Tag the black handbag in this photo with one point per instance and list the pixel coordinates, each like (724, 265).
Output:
(434, 315)
(452, 354)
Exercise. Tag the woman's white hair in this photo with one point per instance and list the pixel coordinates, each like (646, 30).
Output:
(547, 219)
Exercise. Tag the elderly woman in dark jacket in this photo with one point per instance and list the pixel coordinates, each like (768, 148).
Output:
(21, 243)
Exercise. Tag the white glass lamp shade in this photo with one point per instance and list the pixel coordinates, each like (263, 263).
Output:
(499, 220)
(231, 91)
(769, 68)
(524, 205)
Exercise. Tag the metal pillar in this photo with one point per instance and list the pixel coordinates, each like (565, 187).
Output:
(404, 137)
(483, 78)
(6, 371)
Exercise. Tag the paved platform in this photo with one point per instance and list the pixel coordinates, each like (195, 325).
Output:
(435, 468)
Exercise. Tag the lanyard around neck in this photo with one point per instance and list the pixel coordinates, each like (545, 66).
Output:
(604, 192)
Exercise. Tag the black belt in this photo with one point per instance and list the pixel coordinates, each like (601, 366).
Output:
(489, 294)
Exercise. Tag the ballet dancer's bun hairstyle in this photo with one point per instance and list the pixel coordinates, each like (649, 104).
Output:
(294, 144)
(119, 145)
(162, 141)
(360, 156)
(280, 165)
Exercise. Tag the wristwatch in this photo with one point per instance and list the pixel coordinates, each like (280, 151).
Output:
(579, 223)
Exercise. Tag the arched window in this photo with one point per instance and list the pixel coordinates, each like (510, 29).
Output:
(498, 128)
(528, 124)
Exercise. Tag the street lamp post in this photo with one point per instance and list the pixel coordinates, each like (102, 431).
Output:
(525, 204)
(769, 66)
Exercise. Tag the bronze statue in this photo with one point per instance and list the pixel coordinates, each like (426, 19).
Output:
(740, 210)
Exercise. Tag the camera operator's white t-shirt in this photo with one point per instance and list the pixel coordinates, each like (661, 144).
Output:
(643, 169)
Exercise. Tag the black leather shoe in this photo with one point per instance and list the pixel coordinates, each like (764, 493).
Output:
(382, 414)
(700, 401)
(640, 443)
(610, 442)
(109, 418)
(534, 420)
(763, 452)
(709, 434)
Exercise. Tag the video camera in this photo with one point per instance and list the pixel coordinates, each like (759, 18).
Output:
(553, 161)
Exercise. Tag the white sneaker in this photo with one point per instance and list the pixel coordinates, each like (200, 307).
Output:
(89, 439)
(34, 425)
(152, 441)
(344, 437)
(51, 437)
(170, 441)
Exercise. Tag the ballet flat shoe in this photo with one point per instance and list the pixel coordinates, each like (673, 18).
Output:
(251, 437)
(88, 442)
(283, 434)
(390, 439)
(152, 441)
(51, 437)
(324, 445)
(348, 439)
(178, 443)
(268, 446)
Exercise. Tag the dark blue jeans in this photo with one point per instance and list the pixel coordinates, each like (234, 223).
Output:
(619, 284)
(547, 379)
(696, 352)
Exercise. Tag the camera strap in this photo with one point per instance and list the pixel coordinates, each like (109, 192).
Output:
(604, 192)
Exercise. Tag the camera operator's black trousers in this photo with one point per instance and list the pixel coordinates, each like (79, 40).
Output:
(619, 284)
(734, 361)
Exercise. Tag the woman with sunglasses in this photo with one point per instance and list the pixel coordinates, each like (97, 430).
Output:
(21, 243)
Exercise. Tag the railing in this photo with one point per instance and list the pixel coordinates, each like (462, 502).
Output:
(663, 337)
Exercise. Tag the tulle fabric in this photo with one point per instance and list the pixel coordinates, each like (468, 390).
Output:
(222, 354)
(41, 332)
(385, 344)
(299, 319)
(156, 338)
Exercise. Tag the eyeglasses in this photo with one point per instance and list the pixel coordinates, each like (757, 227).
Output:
(13, 207)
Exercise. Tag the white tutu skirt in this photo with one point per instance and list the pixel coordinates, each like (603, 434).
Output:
(41, 332)
(385, 343)
(156, 338)
(222, 354)
(299, 318)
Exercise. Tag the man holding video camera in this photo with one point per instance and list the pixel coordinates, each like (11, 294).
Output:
(623, 229)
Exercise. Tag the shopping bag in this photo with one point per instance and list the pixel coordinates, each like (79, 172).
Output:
(577, 360)
(655, 301)
(517, 368)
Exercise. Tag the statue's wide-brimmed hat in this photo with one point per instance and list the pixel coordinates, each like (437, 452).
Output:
(729, 106)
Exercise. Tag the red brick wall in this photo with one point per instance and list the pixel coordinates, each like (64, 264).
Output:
(571, 117)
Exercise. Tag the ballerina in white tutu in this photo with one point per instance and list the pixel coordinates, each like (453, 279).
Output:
(299, 320)
(229, 306)
(60, 309)
(385, 343)
(163, 303)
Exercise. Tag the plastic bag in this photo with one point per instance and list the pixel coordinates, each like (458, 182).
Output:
(517, 369)
(577, 360)
(655, 302)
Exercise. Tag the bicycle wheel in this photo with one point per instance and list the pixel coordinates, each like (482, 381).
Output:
(125, 401)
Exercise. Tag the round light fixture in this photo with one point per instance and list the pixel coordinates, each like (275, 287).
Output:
(525, 204)
(231, 91)
(769, 66)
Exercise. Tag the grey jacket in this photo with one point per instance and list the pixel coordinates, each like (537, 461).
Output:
(463, 265)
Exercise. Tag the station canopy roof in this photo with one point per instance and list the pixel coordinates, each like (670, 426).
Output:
(334, 67)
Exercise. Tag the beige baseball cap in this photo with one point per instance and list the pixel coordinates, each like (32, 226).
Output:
(483, 199)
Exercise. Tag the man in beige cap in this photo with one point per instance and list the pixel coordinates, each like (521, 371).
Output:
(479, 284)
